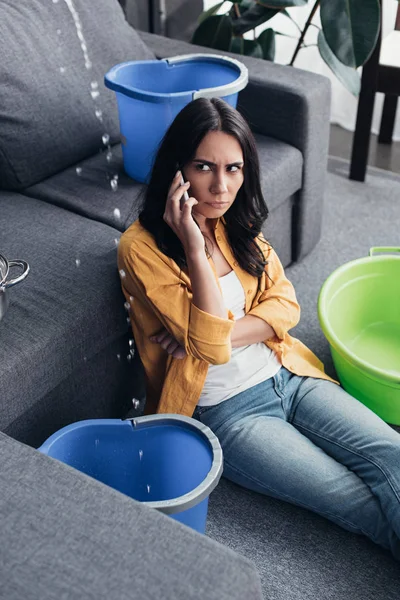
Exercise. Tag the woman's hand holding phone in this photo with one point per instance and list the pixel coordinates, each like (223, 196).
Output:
(178, 215)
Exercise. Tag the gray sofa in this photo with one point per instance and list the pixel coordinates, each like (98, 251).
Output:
(64, 342)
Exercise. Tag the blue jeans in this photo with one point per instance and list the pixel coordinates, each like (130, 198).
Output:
(309, 442)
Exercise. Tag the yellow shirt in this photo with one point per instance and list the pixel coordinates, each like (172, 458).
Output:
(160, 295)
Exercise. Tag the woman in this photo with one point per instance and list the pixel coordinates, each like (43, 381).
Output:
(211, 309)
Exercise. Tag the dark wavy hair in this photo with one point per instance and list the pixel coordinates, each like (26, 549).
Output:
(245, 216)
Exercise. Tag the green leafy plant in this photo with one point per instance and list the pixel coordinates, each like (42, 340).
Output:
(346, 39)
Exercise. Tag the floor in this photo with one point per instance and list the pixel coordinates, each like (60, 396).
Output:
(384, 156)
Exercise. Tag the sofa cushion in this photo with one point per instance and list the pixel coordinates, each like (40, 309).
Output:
(68, 309)
(48, 97)
(90, 193)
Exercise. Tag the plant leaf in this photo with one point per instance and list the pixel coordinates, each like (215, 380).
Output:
(252, 48)
(245, 4)
(282, 3)
(210, 11)
(266, 39)
(252, 17)
(248, 47)
(237, 45)
(351, 29)
(348, 76)
(214, 32)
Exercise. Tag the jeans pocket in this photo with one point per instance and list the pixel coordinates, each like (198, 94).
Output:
(200, 410)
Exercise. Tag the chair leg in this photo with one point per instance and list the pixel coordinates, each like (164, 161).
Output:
(366, 100)
(388, 119)
(361, 138)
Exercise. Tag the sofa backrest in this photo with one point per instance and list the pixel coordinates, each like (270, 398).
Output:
(49, 106)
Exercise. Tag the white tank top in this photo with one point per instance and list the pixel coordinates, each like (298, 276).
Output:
(248, 366)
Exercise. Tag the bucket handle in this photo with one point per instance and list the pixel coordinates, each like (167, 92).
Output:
(17, 263)
(375, 249)
(222, 90)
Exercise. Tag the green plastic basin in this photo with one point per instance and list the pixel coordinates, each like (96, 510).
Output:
(359, 314)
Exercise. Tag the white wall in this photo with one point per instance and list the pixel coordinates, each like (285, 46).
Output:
(344, 104)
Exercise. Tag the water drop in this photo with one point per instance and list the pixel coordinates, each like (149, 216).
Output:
(78, 170)
(105, 139)
(95, 94)
(114, 185)
(129, 358)
(131, 343)
(94, 85)
(83, 46)
(140, 454)
(78, 262)
(132, 352)
(116, 241)
(127, 305)
(148, 489)
(122, 273)
(135, 403)
(62, 69)
(119, 356)
(117, 213)
(134, 422)
(98, 114)
(128, 320)
(109, 156)
(96, 443)
(88, 64)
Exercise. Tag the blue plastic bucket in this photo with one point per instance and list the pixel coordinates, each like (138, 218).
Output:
(151, 93)
(170, 462)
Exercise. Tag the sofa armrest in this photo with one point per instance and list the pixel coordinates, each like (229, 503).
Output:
(66, 535)
(291, 105)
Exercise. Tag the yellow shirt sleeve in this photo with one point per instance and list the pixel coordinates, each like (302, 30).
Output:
(155, 279)
(277, 304)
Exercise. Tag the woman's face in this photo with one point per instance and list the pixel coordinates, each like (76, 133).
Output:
(215, 175)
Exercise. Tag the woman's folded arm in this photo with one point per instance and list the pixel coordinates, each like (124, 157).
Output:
(157, 281)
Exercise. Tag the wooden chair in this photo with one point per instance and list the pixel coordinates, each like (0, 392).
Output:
(376, 77)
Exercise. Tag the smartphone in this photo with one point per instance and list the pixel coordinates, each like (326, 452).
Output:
(185, 197)
(185, 194)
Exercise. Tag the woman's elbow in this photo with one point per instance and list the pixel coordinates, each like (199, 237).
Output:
(292, 316)
(296, 316)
